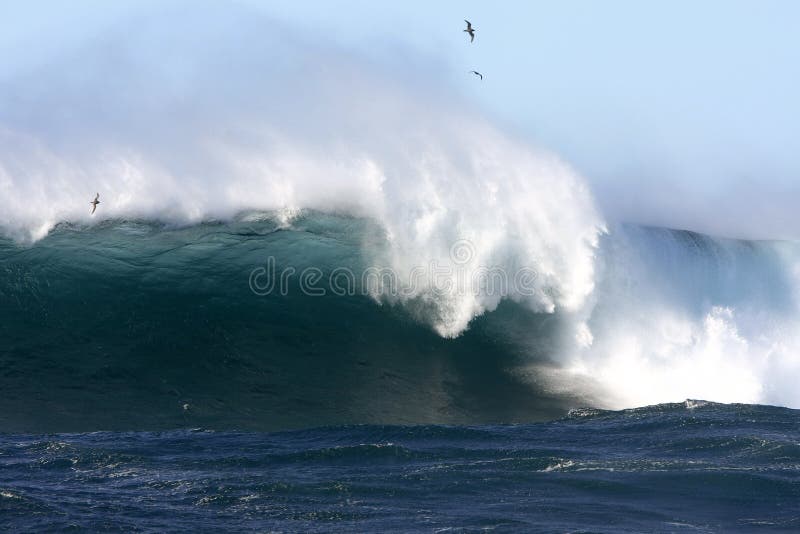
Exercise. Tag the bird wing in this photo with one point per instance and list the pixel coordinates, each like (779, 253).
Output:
(94, 207)
(471, 37)
(469, 24)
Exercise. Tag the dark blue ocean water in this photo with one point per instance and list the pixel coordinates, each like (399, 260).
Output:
(689, 467)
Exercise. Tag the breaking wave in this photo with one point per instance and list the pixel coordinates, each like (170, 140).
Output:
(209, 166)
(135, 324)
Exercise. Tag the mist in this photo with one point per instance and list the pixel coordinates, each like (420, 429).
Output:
(695, 132)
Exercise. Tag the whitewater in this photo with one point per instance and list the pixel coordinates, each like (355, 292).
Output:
(211, 161)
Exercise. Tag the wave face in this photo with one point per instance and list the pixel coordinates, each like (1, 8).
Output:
(140, 325)
(136, 325)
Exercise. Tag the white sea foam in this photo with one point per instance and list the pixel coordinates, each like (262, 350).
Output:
(680, 316)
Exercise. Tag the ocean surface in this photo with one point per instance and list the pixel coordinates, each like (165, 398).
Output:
(687, 467)
(324, 290)
(152, 379)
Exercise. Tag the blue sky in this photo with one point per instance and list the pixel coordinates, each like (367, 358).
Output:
(692, 99)
(671, 110)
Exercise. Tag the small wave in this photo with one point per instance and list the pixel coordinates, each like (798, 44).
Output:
(694, 404)
(559, 466)
(578, 413)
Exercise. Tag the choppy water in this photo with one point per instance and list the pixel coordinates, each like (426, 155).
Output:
(691, 467)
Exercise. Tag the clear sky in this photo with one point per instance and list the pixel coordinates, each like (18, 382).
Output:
(684, 113)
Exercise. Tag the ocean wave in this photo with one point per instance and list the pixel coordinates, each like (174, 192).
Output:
(141, 324)
(165, 321)
(365, 249)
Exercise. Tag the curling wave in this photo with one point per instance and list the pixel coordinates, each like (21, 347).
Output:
(137, 325)
(209, 167)
(134, 324)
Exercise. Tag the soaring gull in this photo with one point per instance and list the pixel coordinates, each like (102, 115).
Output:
(470, 30)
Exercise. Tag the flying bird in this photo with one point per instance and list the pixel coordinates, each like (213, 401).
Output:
(470, 30)
(476, 73)
(95, 202)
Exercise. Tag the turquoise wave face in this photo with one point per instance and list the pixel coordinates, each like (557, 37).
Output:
(256, 324)
(133, 325)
